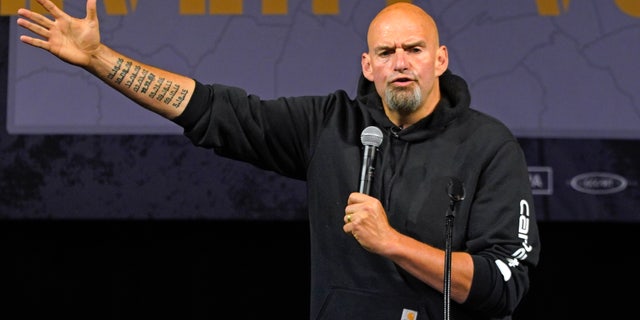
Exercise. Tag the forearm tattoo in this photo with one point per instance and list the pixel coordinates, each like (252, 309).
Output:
(143, 81)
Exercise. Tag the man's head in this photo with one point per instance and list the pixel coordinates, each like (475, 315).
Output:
(404, 61)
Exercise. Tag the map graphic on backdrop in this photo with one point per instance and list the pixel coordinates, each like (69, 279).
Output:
(564, 75)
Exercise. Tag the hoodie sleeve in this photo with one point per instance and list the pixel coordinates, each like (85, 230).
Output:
(503, 234)
(274, 135)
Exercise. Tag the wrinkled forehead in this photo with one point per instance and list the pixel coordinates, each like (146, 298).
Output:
(395, 25)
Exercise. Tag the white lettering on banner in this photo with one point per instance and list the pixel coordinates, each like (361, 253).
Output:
(541, 179)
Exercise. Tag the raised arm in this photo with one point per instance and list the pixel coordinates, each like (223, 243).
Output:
(77, 41)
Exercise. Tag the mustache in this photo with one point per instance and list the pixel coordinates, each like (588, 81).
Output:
(401, 77)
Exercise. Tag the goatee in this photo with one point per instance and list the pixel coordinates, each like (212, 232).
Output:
(403, 99)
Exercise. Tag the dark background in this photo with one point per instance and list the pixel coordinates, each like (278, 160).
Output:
(259, 270)
(183, 266)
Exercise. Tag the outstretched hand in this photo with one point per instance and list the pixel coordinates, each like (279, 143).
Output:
(70, 39)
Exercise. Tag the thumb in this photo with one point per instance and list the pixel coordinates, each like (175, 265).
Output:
(92, 13)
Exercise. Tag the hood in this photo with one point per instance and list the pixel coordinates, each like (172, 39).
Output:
(454, 103)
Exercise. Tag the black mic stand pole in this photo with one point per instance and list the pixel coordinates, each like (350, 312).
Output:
(447, 262)
(455, 191)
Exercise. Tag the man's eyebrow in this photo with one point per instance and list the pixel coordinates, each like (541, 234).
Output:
(418, 43)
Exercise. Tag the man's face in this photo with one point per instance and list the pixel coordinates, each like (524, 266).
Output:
(404, 60)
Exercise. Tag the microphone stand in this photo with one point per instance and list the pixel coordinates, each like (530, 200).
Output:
(447, 262)
(455, 191)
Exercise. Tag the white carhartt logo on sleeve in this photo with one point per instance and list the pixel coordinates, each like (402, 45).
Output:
(409, 314)
(504, 269)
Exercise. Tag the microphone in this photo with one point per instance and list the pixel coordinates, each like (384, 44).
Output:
(455, 189)
(371, 138)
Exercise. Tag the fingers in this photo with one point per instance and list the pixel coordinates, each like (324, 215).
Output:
(35, 42)
(36, 28)
(38, 24)
(349, 226)
(33, 16)
(92, 13)
(52, 8)
(356, 197)
(34, 21)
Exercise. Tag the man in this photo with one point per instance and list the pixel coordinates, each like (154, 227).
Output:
(378, 255)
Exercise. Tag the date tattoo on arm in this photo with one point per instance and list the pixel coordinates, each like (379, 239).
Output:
(141, 80)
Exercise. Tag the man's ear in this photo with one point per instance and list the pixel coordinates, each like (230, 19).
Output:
(442, 60)
(367, 69)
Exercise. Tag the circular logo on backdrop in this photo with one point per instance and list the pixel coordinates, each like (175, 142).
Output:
(599, 183)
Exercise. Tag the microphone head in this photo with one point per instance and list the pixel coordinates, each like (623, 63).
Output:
(371, 136)
(455, 189)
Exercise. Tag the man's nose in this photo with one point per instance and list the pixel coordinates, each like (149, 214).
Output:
(400, 62)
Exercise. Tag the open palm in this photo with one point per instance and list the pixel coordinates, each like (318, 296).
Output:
(70, 39)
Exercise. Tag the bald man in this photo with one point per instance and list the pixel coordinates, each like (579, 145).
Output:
(374, 255)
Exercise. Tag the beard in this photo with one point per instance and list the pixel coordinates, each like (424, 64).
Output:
(403, 99)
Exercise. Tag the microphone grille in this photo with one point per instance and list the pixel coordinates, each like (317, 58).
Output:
(371, 136)
(455, 189)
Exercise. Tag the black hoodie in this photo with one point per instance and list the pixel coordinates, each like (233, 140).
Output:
(317, 139)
